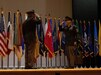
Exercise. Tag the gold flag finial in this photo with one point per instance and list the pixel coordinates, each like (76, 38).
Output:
(2, 10)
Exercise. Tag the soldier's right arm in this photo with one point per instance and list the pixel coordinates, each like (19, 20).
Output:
(61, 28)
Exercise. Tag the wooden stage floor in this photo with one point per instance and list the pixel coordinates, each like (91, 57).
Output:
(59, 71)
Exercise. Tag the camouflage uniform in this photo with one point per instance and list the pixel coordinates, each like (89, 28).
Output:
(30, 40)
(70, 38)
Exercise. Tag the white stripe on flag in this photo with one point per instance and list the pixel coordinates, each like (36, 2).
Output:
(3, 45)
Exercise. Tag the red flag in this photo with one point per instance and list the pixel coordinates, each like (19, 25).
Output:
(48, 40)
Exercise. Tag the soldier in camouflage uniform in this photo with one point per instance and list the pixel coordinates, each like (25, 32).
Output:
(70, 32)
(30, 38)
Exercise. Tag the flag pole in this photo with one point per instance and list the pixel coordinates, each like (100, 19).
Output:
(1, 62)
(55, 60)
(8, 40)
(46, 59)
(64, 62)
(41, 61)
(14, 41)
(60, 57)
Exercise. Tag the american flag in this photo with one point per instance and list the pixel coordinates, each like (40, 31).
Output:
(3, 41)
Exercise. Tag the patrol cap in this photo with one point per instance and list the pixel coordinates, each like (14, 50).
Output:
(68, 18)
(30, 12)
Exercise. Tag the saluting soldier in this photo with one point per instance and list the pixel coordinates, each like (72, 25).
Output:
(30, 38)
(70, 32)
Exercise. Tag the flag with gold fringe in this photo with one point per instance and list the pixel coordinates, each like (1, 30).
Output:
(99, 38)
(48, 41)
(18, 35)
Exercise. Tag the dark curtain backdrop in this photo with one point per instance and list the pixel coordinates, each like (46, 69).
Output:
(88, 10)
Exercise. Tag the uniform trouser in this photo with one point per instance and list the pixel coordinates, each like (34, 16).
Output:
(29, 55)
(70, 55)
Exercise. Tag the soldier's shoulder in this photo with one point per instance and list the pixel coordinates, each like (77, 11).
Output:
(28, 21)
